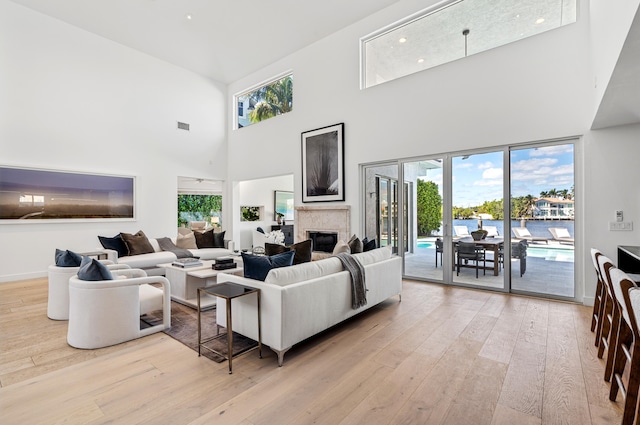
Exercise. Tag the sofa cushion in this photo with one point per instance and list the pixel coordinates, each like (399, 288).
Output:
(67, 258)
(115, 243)
(92, 269)
(301, 272)
(302, 250)
(258, 266)
(210, 253)
(186, 241)
(137, 243)
(374, 255)
(148, 261)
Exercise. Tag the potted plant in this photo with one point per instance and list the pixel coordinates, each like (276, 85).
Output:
(479, 234)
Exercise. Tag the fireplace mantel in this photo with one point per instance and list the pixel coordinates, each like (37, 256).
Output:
(323, 218)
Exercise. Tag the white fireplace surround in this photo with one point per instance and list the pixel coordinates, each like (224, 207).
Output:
(323, 218)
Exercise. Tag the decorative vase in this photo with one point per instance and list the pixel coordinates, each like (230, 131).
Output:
(478, 235)
(279, 220)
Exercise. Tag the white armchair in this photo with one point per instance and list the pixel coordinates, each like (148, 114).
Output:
(107, 312)
(58, 299)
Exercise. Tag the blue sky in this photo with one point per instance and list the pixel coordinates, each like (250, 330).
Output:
(478, 178)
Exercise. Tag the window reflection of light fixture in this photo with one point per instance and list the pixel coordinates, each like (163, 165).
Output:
(465, 32)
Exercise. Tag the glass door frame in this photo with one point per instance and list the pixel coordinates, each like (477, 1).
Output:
(447, 219)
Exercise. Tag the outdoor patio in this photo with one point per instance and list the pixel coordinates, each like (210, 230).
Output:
(550, 270)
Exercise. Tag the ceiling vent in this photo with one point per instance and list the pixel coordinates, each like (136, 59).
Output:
(183, 126)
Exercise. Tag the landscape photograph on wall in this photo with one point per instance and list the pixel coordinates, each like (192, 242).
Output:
(36, 194)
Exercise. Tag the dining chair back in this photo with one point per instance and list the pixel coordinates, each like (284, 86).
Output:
(610, 322)
(596, 317)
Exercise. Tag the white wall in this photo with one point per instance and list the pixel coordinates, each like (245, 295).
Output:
(612, 183)
(71, 100)
(535, 89)
(259, 193)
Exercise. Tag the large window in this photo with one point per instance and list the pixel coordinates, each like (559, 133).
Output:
(265, 101)
(454, 30)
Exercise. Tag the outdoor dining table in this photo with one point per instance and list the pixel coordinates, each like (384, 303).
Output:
(489, 244)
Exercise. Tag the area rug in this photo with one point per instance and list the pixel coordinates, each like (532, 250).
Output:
(184, 328)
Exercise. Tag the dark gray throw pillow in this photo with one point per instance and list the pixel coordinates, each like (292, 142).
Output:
(218, 239)
(368, 245)
(92, 269)
(257, 266)
(115, 243)
(67, 258)
(302, 250)
(204, 239)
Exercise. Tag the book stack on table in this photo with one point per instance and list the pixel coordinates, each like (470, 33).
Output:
(187, 262)
(224, 263)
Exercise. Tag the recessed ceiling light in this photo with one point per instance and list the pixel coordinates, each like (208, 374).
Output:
(402, 40)
(189, 17)
(420, 60)
(539, 21)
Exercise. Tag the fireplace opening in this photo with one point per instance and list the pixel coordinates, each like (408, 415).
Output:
(323, 241)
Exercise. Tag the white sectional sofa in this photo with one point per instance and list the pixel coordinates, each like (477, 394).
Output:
(300, 301)
(149, 262)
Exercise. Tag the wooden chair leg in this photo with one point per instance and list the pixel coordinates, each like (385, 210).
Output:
(600, 301)
(606, 326)
(596, 304)
(624, 341)
(612, 343)
(631, 399)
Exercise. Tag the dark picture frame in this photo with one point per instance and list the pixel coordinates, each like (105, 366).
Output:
(323, 164)
(283, 205)
(30, 195)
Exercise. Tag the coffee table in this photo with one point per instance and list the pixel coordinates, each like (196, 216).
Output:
(185, 282)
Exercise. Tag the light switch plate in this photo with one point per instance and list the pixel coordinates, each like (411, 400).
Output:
(621, 225)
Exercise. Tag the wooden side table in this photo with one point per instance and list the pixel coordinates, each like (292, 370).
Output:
(227, 291)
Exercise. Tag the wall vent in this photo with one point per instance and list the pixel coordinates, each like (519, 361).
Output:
(183, 126)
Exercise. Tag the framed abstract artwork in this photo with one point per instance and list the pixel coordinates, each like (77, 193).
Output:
(37, 195)
(283, 205)
(323, 164)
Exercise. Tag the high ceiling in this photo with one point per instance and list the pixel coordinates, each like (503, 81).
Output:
(222, 40)
(228, 40)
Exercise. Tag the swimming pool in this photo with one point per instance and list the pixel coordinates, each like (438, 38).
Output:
(551, 254)
(425, 244)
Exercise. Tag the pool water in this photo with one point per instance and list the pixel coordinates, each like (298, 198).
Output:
(425, 244)
(551, 254)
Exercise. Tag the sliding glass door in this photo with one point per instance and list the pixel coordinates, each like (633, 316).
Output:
(525, 246)
(477, 199)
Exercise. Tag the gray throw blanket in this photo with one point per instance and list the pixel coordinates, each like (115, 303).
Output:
(358, 285)
(167, 245)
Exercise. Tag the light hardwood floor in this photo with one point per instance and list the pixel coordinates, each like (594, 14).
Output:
(441, 356)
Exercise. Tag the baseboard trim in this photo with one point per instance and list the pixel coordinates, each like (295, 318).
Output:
(22, 276)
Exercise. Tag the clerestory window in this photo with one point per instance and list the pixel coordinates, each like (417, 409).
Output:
(265, 101)
(455, 29)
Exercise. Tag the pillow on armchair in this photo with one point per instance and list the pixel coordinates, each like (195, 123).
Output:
(67, 258)
(92, 269)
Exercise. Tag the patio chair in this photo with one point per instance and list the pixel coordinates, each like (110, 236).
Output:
(518, 251)
(492, 231)
(439, 249)
(523, 233)
(461, 231)
(468, 251)
(561, 235)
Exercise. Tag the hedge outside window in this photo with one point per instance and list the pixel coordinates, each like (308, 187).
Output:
(199, 208)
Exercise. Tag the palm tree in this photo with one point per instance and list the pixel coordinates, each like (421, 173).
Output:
(272, 100)
(529, 203)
